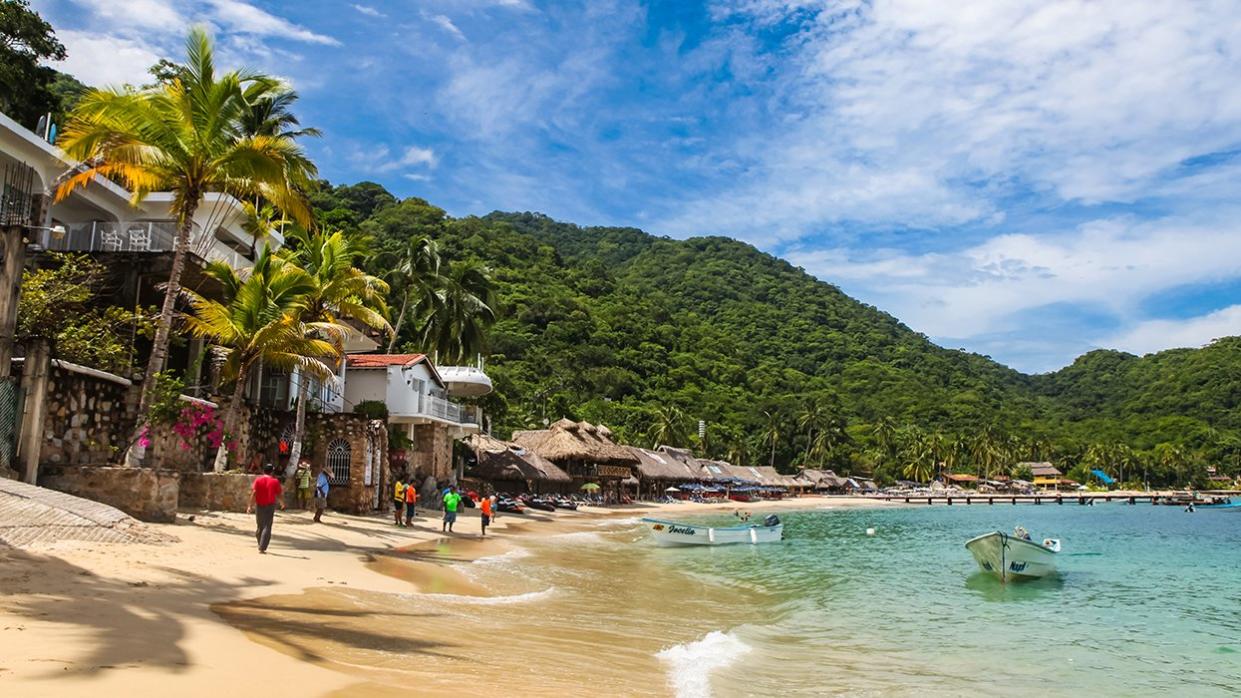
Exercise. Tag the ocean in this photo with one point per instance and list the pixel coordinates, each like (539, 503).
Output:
(1147, 602)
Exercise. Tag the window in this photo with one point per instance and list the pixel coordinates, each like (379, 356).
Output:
(338, 456)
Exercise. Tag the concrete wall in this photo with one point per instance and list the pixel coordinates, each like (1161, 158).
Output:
(366, 384)
(143, 493)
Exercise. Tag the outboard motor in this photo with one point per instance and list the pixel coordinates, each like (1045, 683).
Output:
(771, 520)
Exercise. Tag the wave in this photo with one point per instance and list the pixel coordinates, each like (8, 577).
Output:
(690, 665)
(579, 537)
(504, 558)
(491, 600)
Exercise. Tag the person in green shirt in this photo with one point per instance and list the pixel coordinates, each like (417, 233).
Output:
(452, 500)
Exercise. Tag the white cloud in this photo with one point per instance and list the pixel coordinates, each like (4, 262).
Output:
(415, 156)
(919, 113)
(154, 14)
(1107, 265)
(244, 18)
(369, 11)
(446, 23)
(99, 60)
(1157, 335)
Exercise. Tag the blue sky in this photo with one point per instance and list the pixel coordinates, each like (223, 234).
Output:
(1028, 179)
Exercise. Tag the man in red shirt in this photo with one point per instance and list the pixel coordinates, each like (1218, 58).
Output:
(264, 497)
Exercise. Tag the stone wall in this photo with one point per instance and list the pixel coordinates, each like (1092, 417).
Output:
(143, 493)
(368, 463)
(216, 491)
(89, 419)
(431, 454)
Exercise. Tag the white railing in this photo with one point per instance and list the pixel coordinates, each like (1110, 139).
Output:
(140, 236)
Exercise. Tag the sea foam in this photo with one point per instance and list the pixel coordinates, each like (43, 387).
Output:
(690, 665)
(491, 600)
(504, 558)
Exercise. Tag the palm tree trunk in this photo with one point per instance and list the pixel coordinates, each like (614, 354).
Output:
(396, 330)
(299, 423)
(230, 419)
(159, 349)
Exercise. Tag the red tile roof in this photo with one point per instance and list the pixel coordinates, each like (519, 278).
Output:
(383, 360)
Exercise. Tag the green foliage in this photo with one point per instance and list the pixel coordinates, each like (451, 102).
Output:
(649, 335)
(58, 303)
(166, 402)
(372, 409)
(26, 41)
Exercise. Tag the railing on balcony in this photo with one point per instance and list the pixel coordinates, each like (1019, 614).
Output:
(440, 408)
(140, 236)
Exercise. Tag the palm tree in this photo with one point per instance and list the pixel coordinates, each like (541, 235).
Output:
(919, 457)
(270, 110)
(810, 419)
(260, 322)
(338, 292)
(986, 453)
(183, 136)
(884, 432)
(669, 427)
(454, 325)
(773, 429)
(418, 275)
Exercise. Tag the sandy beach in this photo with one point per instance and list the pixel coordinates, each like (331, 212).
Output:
(113, 619)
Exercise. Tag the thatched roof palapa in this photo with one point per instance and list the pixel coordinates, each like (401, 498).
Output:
(500, 460)
(659, 465)
(567, 440)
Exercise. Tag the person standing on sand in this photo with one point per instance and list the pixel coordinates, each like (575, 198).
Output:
(322, 485)
(264, 496)
(302, 476)
(451, 501)
(485, 504)
(398, 499)
(411, 500)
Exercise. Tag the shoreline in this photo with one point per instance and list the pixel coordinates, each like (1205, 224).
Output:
(141, 618)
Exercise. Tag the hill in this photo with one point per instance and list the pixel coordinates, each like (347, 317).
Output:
(650, 335)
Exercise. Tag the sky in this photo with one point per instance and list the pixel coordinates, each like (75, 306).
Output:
(1026, 179)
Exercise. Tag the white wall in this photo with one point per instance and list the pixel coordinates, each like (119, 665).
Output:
(365, 384)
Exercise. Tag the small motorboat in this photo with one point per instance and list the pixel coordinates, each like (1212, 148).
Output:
(1014, 556)
(563, 503)
(511, 506)
(670, 533)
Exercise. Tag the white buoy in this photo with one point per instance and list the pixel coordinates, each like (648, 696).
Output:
(870, 531)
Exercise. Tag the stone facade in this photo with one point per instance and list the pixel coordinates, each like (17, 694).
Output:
(143, 493)
(431, 454)
(215, 491)
(89, 419)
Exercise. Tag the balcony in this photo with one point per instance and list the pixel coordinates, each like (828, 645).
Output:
(465, 381)
(140, 237)
(443, 410)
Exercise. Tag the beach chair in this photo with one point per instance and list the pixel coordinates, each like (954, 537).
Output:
(140, 238)
(111, 240)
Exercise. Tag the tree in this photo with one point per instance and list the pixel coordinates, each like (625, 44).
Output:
(260, 321)
(337, 292)
(26, 40)
(185, 137)
(454, 326)
(670, 426)
(417, 274)
(773, 429)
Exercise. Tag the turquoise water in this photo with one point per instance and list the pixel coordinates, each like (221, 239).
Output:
(1148, 602)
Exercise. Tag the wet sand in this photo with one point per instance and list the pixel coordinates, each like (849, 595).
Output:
(352, 607)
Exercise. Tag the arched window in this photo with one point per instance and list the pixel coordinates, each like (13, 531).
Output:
(338, 457)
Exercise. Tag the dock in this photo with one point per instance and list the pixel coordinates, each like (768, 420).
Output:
(1038, 499)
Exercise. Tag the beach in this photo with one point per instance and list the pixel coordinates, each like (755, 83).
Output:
(207, 611)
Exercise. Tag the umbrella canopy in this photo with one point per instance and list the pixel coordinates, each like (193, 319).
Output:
(591, 486)
(672, 489)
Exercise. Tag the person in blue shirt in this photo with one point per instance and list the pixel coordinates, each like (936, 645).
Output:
(322, 485)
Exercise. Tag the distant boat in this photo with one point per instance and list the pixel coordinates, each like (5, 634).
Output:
(1014, 556)
(671, 533)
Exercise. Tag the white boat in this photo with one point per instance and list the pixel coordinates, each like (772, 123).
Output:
(1014, 556)
(671, 533)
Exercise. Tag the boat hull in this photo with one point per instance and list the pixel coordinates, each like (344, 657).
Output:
(672, 533)
(1010, 558)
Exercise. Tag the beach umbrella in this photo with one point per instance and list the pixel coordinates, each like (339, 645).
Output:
(672, 489)
(590, 486)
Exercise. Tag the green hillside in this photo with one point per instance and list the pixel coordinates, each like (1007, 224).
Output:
(650, 335)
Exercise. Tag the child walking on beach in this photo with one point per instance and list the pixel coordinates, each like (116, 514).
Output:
(398, 499)
(485, 504)
(411, 499)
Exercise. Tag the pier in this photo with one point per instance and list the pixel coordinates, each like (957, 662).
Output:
(1013, 499)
